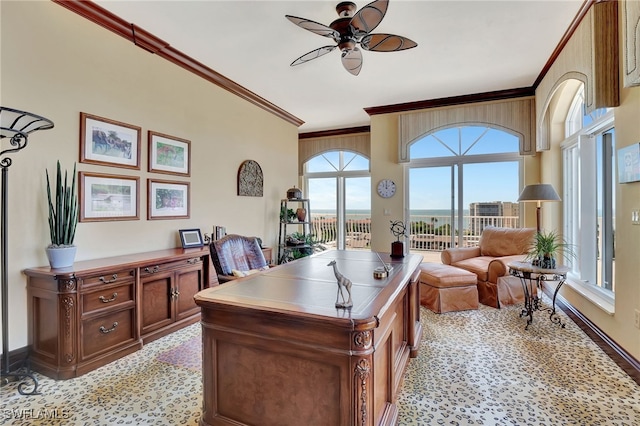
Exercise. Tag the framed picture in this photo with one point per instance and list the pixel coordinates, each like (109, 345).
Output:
(191, 238)
(629, 163)
(168, 154)
(106, 197)
(109, 142)
(167, 199)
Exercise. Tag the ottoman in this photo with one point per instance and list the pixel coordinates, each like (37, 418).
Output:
(445, 288)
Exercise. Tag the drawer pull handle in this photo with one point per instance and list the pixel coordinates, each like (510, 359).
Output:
(175, 293)
(108, 330)
(193, 261)
(152, 270)
(105, 300)
(112, 280)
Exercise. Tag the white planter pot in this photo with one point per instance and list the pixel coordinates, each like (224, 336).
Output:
(61, 257)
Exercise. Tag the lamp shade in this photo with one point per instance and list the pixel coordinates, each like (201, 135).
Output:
(539, 192)
(19, 123)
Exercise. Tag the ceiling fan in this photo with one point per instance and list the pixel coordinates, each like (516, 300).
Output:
(350, 30)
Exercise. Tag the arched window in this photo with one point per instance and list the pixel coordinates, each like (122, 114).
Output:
(462, 179)
(589, 176)
(464, 141)
(573, 122)
(338, 185)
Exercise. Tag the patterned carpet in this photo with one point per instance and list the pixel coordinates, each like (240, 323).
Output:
(187, 355)
(474, 368)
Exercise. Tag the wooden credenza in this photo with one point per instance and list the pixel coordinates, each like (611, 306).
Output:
(276, 350)
(97, 311)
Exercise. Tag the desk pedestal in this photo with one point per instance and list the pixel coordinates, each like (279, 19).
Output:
(276, 351)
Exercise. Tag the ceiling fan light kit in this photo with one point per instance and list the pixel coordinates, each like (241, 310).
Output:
(351, 29)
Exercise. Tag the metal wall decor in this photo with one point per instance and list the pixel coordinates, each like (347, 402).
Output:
(250, 179)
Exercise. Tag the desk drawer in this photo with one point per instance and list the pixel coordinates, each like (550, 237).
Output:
(125, 275)
(106, 332)
(161, 267)
(107, 297)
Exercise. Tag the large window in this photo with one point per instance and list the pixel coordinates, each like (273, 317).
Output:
(589, 197)
(462, 179)
(339, 190)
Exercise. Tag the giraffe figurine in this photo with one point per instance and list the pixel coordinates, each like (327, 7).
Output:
(342, 282)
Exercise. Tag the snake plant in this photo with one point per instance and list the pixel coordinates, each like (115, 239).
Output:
(63, 211)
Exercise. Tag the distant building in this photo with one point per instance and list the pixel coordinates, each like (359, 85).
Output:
(493, 213)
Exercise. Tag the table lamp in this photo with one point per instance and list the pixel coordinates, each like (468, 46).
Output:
(538, 192)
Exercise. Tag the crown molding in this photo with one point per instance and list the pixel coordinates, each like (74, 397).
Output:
(153, 44)
(454, 100)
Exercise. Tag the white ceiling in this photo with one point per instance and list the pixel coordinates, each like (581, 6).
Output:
(464, 47)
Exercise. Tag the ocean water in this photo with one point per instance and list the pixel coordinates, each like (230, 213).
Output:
(367, 213)
(442, 216)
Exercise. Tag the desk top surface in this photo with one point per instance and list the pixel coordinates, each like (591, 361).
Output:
(309, 286)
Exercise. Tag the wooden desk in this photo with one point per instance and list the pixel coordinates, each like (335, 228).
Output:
(276, 351)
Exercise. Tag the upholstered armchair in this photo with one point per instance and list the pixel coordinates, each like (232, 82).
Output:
(236, 256)
(497, 247)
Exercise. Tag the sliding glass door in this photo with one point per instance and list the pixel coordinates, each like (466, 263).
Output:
(339, 191)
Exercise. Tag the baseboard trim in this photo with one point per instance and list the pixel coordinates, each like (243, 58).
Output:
(619, 355)
(18, 358)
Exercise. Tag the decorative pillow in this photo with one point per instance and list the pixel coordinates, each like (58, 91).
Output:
(237, 273)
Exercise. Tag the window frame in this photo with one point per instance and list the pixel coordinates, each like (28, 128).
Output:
(578, 160)
(340, 176)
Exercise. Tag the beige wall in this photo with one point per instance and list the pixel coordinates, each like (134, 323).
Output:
(619, 326)
(56, 64)
(384, 165)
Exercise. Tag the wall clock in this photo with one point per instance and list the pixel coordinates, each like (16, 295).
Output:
(386, 188)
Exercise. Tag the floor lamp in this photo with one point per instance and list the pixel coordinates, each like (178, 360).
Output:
(15, 126)
(538, 192)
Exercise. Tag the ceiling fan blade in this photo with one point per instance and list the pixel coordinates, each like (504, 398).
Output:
(367, 19)
(352, 60)
(386, 43)
(313, 55)
(314, 27)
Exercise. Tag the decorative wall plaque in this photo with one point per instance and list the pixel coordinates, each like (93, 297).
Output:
(250, 179)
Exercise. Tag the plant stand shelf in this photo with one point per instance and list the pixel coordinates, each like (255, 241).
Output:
(288, 251)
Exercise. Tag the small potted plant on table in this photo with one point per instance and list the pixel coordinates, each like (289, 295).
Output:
(546, 247)
(63, 219)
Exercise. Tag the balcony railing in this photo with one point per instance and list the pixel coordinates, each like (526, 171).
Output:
(430, 233)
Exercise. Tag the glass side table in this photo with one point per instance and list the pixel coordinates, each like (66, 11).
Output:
(531, 276)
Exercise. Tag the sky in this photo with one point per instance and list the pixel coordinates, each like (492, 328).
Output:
(429, 187)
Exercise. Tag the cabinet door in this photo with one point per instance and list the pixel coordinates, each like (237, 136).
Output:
(156, 301)
(189, 281)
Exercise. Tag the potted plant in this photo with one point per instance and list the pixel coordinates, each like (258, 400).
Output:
(287, 215)
(546, 247)
(303, 245)
(63, 219)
